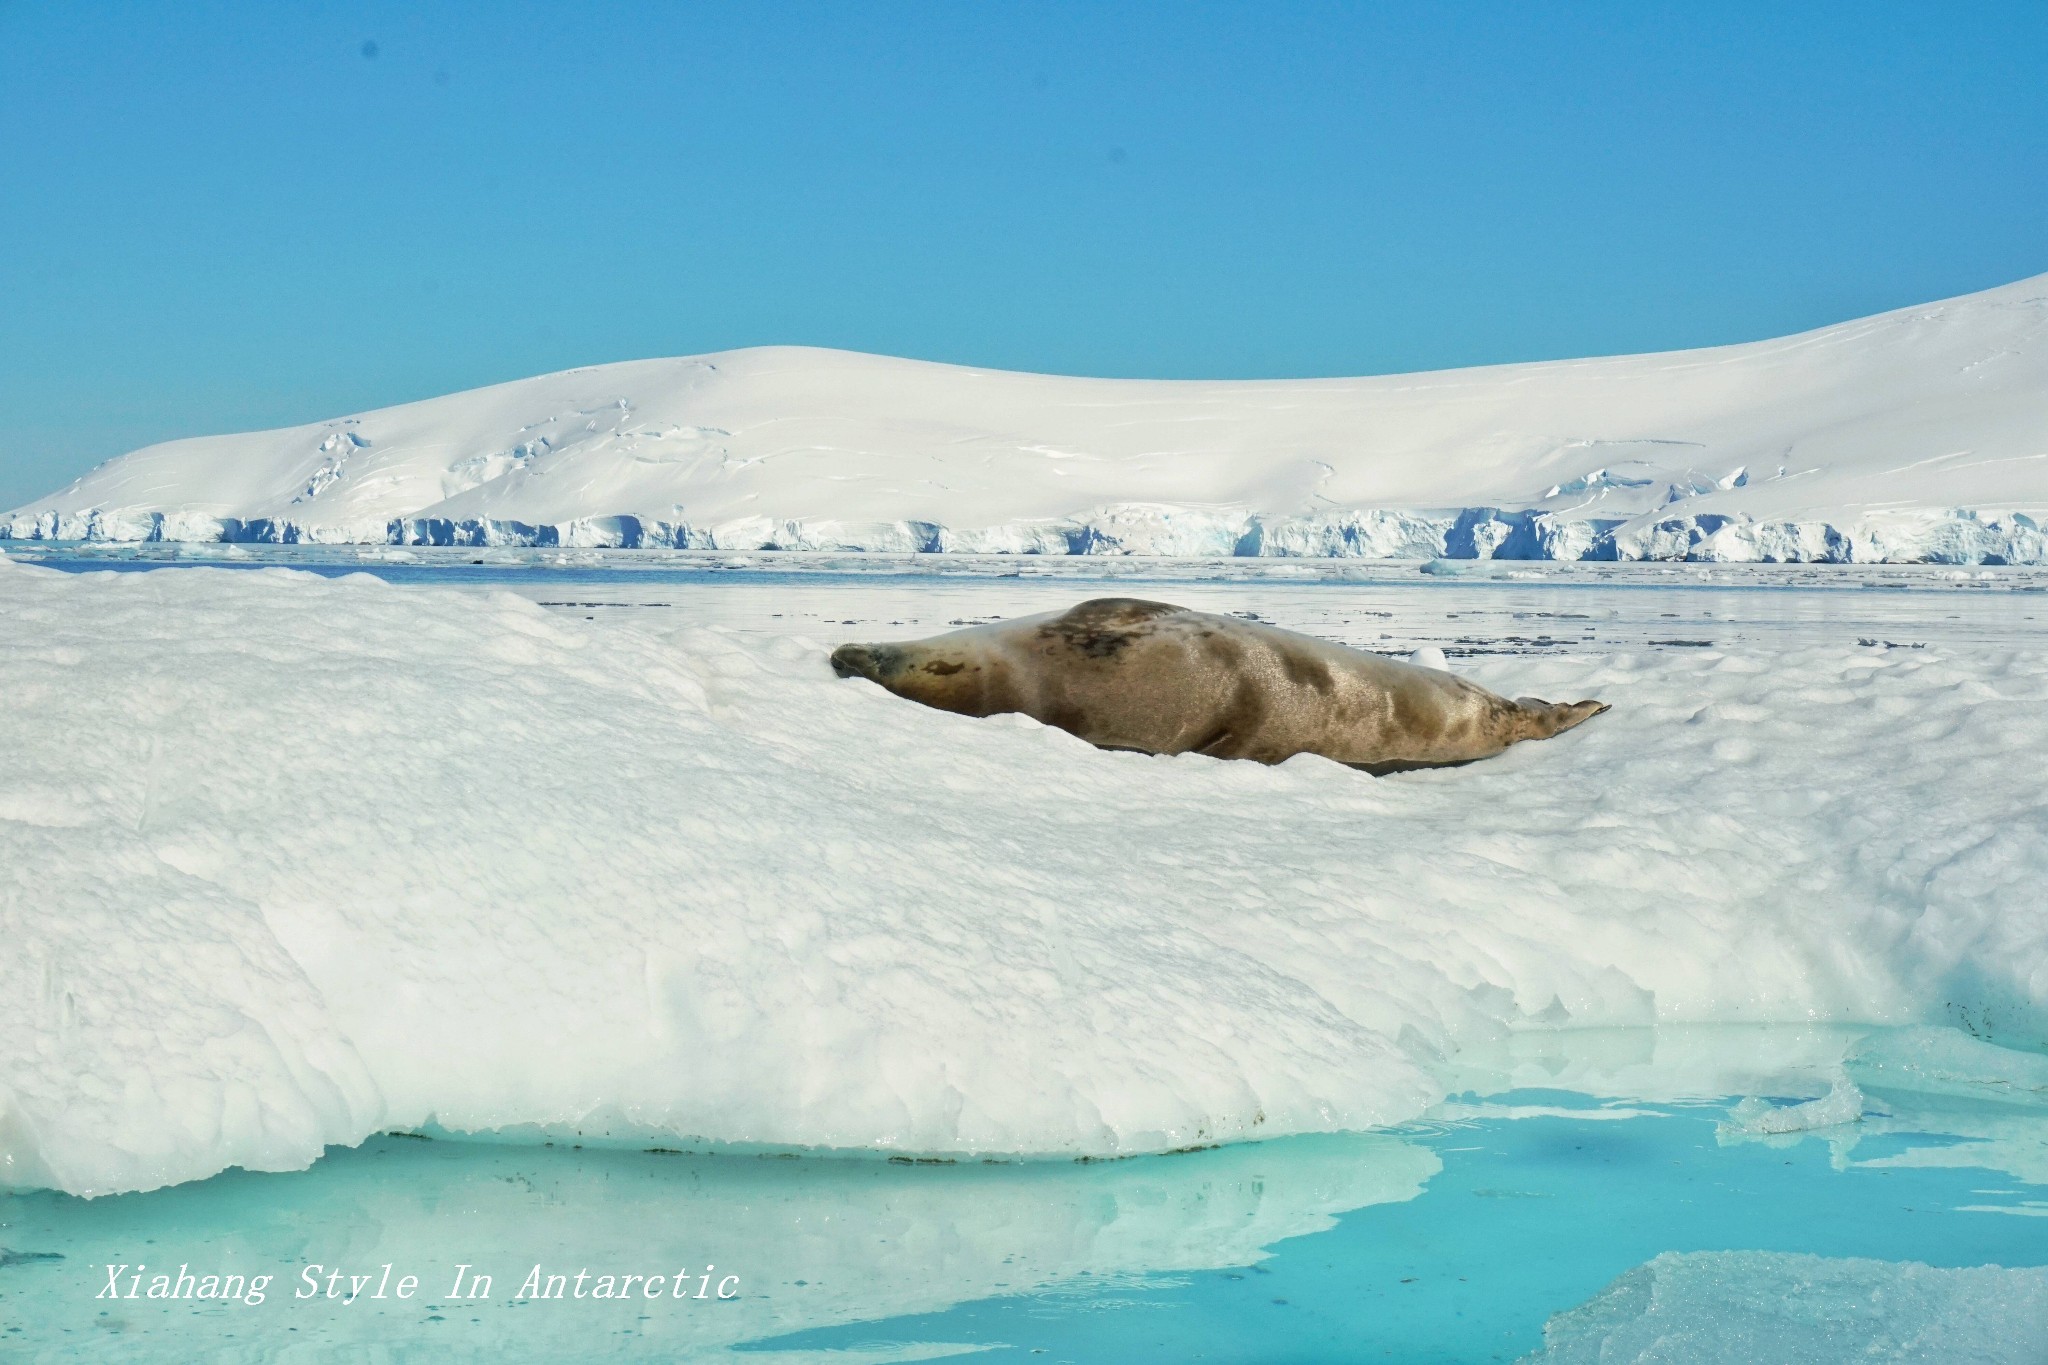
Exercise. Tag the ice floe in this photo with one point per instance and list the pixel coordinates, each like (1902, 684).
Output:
(1741, 1307)
(287, 860)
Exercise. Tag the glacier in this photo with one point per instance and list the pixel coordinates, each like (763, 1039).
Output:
(1919, 435)
(288, 860)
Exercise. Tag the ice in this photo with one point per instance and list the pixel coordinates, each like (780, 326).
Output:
(289, 860)
(1941, 1061)
(1755, 1117)
(1741, 1307)
(1910, 436)
(1807, 1070)
(1453, 1239)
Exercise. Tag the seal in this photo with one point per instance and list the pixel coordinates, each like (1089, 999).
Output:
(1128, 674)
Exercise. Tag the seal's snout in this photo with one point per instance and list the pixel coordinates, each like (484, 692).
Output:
(876, 663)
(1554, 718)
(853, 661)
(1579, 712)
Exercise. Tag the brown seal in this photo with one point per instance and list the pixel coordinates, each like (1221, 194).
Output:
(1127, 674)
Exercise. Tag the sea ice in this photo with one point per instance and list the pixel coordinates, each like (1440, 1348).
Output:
(1742, 1307)
(288, 860)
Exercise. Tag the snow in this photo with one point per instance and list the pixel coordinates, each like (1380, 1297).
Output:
(1739, 1307)
(1914, 435)
(289, 860)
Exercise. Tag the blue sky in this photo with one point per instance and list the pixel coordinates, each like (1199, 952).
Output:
(219, 217)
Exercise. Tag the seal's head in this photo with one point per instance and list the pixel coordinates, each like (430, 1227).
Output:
(876, 663)
(955, 672)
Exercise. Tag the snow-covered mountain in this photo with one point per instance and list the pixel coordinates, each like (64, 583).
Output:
(1917, 434)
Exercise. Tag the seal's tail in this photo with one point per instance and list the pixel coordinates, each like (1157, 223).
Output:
(1556, 717)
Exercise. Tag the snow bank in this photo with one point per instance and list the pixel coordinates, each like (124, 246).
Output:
(1740, 1307)
(1912, 436)
(287, 860)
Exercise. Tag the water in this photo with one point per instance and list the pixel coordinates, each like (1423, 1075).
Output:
(1463, 608)
(1453, 1239)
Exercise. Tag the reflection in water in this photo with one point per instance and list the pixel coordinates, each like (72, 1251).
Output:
(813, 1242)
(1552, 1198)
(1534, 1218)
(1592, 1180)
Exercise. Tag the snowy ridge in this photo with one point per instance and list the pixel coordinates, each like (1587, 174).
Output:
(1917, 435)
(285, 861)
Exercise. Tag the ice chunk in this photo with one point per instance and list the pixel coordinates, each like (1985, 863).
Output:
(1757, 1117)
(1743, 1307)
